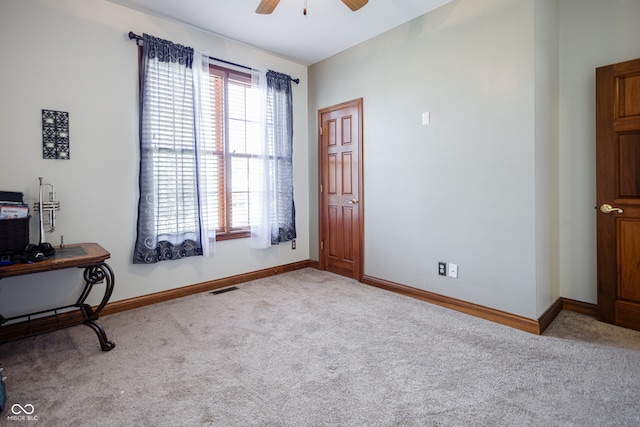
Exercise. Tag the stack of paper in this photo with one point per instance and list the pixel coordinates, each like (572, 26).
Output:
(12, 206)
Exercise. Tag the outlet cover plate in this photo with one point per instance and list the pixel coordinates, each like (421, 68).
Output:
(442, 268)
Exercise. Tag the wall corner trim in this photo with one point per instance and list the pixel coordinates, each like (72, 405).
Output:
(580, 307)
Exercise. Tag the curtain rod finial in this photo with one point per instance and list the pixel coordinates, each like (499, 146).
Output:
(134, 36)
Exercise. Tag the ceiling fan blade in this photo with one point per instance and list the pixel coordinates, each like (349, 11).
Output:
(267, 6)
(355, 4)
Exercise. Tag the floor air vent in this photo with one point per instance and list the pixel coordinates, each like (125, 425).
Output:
(222, 291)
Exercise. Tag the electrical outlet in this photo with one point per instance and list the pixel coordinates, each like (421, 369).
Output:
(293, 244)
(442, 268)
(453, 270)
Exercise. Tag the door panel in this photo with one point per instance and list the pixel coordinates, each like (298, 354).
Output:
(332, 184)
(333, 139)
(629, 93)
(348, 219)
(629, 170)
(347, 174)
(629, 249)
(618, 185)
(341, 214)
(347, 132)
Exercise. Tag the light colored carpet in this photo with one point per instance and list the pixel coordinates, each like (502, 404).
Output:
(309, 348)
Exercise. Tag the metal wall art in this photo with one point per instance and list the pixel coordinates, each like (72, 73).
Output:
(55, 135)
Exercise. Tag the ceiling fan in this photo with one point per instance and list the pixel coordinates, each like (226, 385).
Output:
(267, 6)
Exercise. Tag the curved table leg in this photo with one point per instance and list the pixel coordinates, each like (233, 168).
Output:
(94, 274)
(105, 344)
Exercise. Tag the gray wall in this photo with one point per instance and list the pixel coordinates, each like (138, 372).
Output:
(546, 40)
(503, 180)
(461, 189)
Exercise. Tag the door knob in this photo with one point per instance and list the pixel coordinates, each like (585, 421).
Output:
(353, 201)
(606, 208)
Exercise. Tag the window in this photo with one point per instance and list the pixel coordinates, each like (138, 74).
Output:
(234, 143)
(230, 150)
(215, 155)
(237, 141)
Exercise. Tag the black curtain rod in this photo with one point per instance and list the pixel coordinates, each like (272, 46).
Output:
(137, 38)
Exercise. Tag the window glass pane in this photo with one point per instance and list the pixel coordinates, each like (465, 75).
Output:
(253, 138)
(237, 136)
(237, 101)
(240, 210)
(239, 192)
(244, 127)
(240, 173)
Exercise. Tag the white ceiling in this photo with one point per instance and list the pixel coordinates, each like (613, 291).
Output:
(329, 27)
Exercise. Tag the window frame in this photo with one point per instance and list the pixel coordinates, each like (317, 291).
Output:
(225, 182)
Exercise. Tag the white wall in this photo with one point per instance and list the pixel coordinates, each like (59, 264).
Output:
(462, 189)
(593, 33)
(74, 55)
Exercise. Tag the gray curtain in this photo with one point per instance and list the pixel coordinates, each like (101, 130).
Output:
(280, 138)
(169, 205)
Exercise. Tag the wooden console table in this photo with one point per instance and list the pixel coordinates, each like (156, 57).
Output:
(90, 257)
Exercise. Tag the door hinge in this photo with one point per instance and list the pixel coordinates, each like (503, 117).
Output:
(322, 246)
(320, 130)
(321, 188)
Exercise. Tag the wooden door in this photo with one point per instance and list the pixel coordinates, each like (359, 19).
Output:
(618, 193)
(341, 205)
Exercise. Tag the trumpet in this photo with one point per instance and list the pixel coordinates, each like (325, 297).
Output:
(49, 207)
